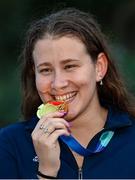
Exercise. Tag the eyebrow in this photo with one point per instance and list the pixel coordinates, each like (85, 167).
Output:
(62, 62)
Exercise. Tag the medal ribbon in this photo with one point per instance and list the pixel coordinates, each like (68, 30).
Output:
(103, 141)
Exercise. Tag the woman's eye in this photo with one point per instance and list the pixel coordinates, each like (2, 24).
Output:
(46, 70)
(70, 66)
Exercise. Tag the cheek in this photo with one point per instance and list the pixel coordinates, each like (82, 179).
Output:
(42, 84)
(87, 79)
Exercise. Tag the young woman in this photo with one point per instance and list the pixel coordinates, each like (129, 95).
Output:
(66, 58)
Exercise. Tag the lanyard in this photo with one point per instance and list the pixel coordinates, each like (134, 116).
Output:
(103, 141)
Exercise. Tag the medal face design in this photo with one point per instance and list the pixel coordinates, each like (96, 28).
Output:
(49, 107)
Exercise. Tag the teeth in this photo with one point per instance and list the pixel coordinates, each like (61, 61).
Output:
(68, 96)
(65, 97)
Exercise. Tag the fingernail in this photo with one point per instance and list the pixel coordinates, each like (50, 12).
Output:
(63, 113)
(70, 124)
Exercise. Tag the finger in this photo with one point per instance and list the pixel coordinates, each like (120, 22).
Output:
(48, 122)
(55, 114)
(53, 138)
(50, 115)
(50, 126)
(53, 121)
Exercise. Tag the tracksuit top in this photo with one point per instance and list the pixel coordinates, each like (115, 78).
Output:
(18, 159)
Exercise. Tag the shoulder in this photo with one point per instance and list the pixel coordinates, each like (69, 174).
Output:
(13, 129)
(12, 136)
(126, 134)
(17, 133)
(131, 128)
(16, 149)
(16, 136)
(122, 123)
(19, 128)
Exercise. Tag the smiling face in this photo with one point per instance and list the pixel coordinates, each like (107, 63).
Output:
(65, 71)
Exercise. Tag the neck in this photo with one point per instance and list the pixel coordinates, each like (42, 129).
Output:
(91, 122)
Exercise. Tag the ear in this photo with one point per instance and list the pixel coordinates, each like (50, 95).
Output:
(33, 68)
(101, 66)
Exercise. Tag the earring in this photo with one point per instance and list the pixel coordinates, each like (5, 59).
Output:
(101, 82)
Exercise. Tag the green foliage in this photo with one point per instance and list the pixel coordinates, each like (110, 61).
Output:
(15, 18)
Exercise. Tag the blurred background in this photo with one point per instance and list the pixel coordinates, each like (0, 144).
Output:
(117, 20)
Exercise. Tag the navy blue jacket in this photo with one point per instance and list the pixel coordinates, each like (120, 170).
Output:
(18, 158)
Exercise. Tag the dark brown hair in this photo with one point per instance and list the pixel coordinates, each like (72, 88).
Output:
(82, 25)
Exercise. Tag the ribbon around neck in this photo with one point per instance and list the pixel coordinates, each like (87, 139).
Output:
(103, 141)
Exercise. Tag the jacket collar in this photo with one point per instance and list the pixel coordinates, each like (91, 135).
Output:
(115, 119)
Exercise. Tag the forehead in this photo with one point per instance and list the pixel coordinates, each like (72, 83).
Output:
(58, 49)
(61, 43)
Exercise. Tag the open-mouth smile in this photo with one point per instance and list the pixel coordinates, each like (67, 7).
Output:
(66, 97)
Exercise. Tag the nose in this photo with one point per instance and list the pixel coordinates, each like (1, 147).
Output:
(59, 81)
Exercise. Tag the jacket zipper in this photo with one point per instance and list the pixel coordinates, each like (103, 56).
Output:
(80, 174)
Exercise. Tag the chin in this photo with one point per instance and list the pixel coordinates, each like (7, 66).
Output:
(70, 117)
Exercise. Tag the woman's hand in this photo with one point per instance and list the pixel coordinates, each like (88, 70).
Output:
(45, 140)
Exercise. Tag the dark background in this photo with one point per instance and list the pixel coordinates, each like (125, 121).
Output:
(117, 19)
